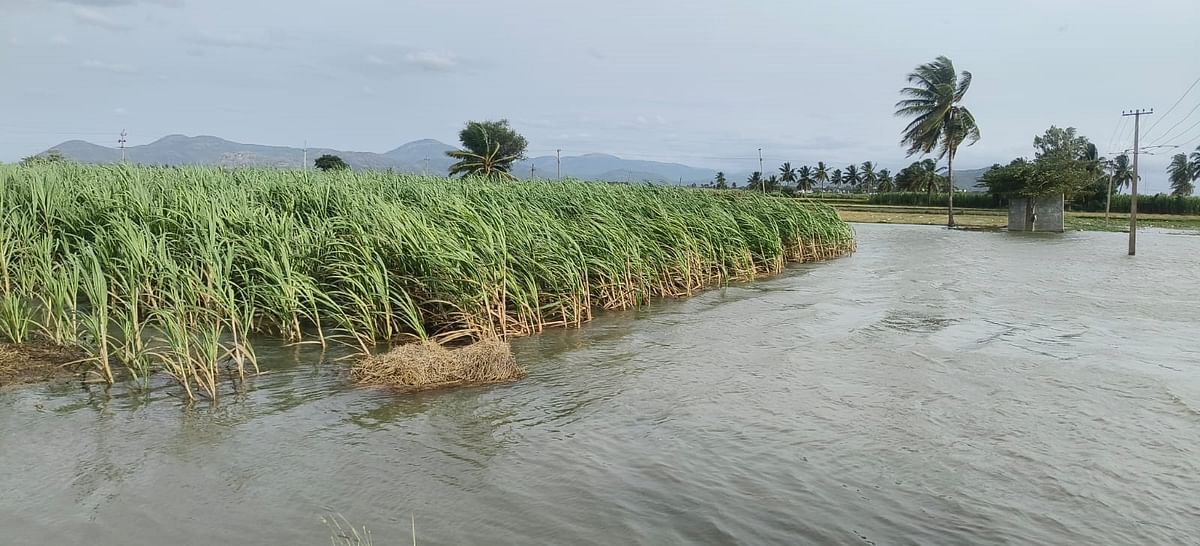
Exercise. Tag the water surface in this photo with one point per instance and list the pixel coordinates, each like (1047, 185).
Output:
(937, 387)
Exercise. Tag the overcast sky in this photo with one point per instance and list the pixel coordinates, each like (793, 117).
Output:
(704, 82)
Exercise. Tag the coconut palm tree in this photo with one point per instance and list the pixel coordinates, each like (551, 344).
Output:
(1181, 174)
(869, 176)
(1120, 175)
(787, 173)
(940, 121)
(804, 178)
(851, 177)
(836, 178)
(886, 183)
(821, 174)
(755, 181)
(489, 164)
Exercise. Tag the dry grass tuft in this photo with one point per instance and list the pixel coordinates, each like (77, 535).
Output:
(429, 365)
(35, 362)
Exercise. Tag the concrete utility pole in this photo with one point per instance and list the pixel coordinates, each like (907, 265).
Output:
(558, 163)
(1137, 118)
(122, 141)
(304, 166)
(762, 175)
(425, 167)
(531, 171)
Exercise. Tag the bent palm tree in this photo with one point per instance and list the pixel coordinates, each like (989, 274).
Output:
(940, 121)
(869, 176)
(885, 181)
(1180, 173)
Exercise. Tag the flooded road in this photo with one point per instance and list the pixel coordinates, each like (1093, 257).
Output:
(937, 387)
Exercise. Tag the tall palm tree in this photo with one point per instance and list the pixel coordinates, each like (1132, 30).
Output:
(1120, 175)
(886, 183)
(836, 177)
(940, 121)
(771, 184)
(852, 177)
(1180, 172)
(869, 176)
(804, 178)
(787, 173)
(821, 174)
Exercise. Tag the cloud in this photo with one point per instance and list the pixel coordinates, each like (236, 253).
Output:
(115, 68)
(423, 60)
(229, 41)
(431, 60)
(92, 17)
(60, 39)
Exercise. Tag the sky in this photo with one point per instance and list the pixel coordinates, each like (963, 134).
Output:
(702, 82)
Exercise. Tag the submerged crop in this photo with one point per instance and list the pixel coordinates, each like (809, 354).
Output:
(175, 269)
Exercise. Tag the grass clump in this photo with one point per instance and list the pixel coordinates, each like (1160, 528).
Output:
(177, 270)
(430, 365)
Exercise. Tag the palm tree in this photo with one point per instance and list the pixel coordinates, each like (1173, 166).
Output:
(1181, 173)
(755, 181)
(885, 181)
(869, 176)
(804, 178)
(940, 121)
(771, 183)
(787, 174)
(488, 164)
(1121, 175)
(821, 174)
(836, 177)
(852, 177)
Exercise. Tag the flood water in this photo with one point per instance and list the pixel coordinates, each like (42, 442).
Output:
(937, 387)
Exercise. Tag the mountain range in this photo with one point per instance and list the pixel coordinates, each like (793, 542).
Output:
(420, 156)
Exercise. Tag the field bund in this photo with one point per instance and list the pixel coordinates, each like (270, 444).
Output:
(175, 270)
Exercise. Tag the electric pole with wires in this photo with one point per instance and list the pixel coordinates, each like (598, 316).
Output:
(121, 141)
(1137, 118)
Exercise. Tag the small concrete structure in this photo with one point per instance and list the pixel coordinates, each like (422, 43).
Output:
(1040, 214)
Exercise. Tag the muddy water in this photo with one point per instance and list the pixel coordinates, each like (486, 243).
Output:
(936, 388)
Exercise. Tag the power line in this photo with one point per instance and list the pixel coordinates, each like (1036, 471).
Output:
(1178, 123)
(1172, 108)
(1186, 131)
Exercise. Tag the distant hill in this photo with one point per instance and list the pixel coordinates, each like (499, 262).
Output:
(967, 179)
(420, 156)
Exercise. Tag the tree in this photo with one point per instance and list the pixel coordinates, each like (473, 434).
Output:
(1047, 176)
(804, 178)
(1181, 173)
(885, 182)
(919, 176)
(1061, 143)
(489, 148)
(49, 156)
(720, 182)
(869, 177)
(852, 177)
(821, 174)
(836, 177)
(755, 181)
(1120, 175)
(330, 162)
(787, 174)
(940, 121)
(772, 183)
